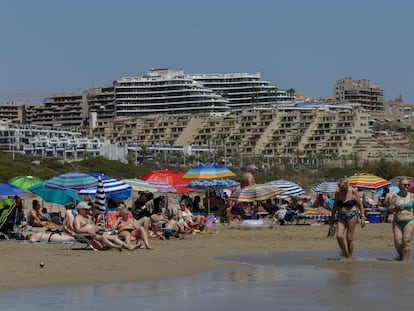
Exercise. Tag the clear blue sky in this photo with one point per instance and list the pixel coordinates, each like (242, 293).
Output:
(62, 46)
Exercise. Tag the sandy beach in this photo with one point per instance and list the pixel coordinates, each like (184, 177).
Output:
(195, 253)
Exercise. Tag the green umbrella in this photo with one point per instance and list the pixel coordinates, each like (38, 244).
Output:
(25, 182)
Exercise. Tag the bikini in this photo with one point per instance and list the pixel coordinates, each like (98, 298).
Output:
(406, 206)
(50, 235)
(346, 216)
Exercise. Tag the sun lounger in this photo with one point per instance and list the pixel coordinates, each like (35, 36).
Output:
(86, 241)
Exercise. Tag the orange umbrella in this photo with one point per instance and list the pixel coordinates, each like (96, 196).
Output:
(367, 181)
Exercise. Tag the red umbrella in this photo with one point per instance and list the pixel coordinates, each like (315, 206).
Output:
(174, 178)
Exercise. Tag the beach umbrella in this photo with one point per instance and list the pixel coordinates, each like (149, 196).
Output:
(7, 190)
(162, 186)
(257, 192)
(290, 188)
(393, 189)
(325, 187)
(173, 178)
(25, 182)
(71, 180)
(54, 195)
(212, 183)
(100, 196)
(113, 188)
(208, 171)
(139, 185)
(367, 181)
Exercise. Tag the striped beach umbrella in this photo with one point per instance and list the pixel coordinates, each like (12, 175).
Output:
(290, 188)
(162, 186)
(256, 192)
(139, 185)
(325, 187)
(113, 188)
(72, 180)
(208, 171)
(367, 181)
(100, 196)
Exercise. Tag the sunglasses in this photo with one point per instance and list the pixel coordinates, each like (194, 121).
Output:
(406, 185)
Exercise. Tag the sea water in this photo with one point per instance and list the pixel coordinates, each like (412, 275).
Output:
(273, 281)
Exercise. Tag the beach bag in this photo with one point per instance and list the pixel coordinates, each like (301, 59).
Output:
(281, 214)
(331, 231)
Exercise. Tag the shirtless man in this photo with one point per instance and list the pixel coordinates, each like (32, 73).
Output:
(128, 227)
(248, 177)
(37, 219)
(84, 224)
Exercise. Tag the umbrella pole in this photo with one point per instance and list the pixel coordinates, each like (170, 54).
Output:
(208, 200)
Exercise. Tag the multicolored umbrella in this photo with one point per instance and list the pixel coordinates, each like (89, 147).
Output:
(162, 186)
(7, 190)
(54, 195)
(208, 171)
(25, 182)
(256, 192)
(290, 188)
(72, 180)
(367, 181)
(113, 188)
(139, 185)
(325, 187)
(213, 183)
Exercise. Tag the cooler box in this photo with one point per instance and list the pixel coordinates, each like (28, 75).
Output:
(373, 217)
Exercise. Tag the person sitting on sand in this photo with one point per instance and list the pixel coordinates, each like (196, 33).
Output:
(49, 237)
(193, 221)
(128, 228)
(37, 219)
(83, 224)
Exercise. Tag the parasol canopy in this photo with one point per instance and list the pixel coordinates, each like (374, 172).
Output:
(290, 188)
(208, 171)
(256, 192)
(7, 190)
(367, 181)
(25, 182)
(55, 196)
(325, 187)
(71, 180)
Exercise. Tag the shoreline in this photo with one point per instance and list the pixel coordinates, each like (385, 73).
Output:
(171, 258)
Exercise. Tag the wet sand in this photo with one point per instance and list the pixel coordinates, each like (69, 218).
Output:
(193, 254)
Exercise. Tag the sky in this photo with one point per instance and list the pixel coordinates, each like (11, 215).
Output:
(52, 46)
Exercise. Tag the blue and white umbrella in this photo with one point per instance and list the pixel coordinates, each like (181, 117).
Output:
(325, 187)
(290, 189)
(212, 183)
(113, 188)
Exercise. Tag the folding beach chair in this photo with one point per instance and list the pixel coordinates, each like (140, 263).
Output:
(86, 241)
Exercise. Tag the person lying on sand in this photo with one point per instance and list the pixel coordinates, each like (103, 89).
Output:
(49, 237)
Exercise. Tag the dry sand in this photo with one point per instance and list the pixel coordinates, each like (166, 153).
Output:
(195, 253)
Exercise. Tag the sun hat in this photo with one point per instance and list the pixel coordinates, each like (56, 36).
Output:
(252, 167)
(82, 205)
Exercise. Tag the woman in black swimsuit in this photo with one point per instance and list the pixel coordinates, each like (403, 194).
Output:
(347, 208)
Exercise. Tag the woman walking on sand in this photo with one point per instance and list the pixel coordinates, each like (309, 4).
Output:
(403, 225)
(348, 207)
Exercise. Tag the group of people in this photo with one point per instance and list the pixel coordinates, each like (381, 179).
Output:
(151, 216)
(121, 226)
(348, 208)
